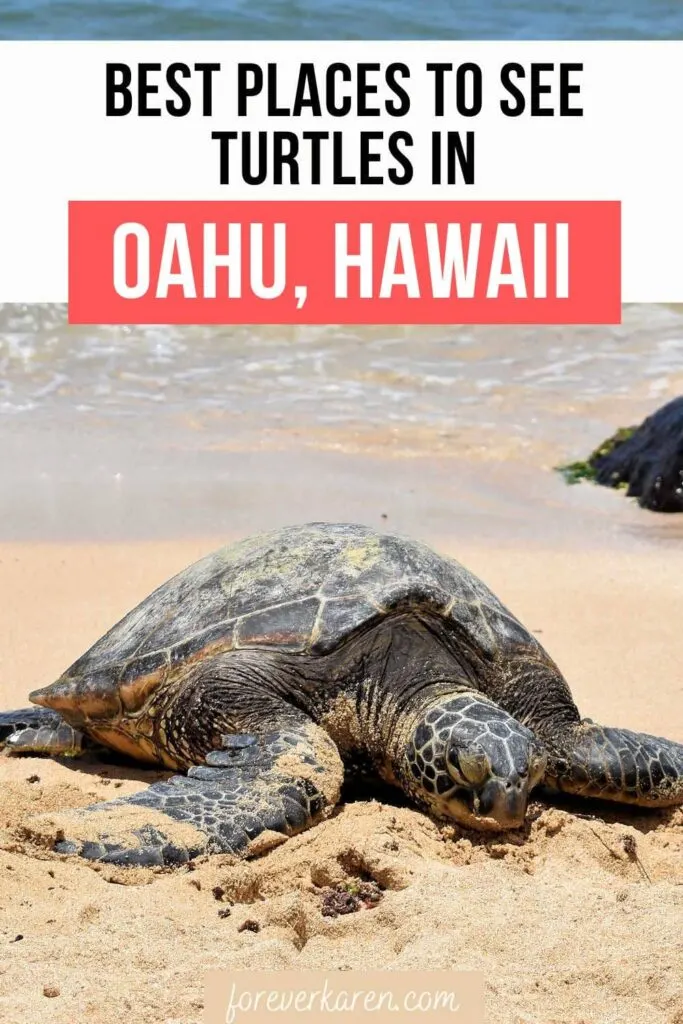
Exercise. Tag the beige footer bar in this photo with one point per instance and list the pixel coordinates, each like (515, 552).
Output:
(359, 997)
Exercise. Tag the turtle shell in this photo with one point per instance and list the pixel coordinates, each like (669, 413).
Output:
(302, 589)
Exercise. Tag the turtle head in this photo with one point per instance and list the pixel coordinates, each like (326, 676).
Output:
(471, 762)
(105, 709)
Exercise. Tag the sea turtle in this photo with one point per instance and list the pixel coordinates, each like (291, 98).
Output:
(266, 669)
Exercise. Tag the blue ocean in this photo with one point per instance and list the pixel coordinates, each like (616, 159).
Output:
(336, 19)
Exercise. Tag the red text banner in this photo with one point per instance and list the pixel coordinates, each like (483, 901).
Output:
(310, 262)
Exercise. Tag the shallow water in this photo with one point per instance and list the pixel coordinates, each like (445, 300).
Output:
(331, 19)
(147, 431)
(330, 378)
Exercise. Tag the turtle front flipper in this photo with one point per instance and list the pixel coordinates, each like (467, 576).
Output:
(247, 797)
(39, 731)
(614, 764)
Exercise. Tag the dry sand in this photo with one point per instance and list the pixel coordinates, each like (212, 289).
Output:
(568, 926)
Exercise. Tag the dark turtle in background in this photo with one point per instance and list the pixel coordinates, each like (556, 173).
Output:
(266, 668)
(647, 461)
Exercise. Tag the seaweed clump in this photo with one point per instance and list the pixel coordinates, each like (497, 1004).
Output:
(646, 461)
(575, 472)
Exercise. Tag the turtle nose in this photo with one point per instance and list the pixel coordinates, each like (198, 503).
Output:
(52, 696)
(504, 800)
(79, 700)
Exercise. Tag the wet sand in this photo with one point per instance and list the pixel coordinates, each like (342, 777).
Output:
(567, 926)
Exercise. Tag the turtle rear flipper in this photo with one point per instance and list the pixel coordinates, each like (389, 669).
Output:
(248, 797)
(39, 731)
(615, 764)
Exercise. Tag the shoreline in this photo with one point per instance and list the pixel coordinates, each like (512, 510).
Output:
(114, 494)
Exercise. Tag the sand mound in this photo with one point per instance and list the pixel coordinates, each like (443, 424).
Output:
(577, 919)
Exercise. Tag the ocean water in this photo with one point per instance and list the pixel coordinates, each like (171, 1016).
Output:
(348, 19)
(145, 431)
(417, 379)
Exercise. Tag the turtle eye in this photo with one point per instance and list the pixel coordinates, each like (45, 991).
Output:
(474, 766)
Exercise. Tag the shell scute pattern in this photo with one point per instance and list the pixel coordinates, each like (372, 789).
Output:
(157, 622)
(353, 568)
(448, 589)
(303, 588)
(220, 636)
(340, 618)
(288, 625)
(414, 591)
(196, 610)
(274, 573)
(386, 573)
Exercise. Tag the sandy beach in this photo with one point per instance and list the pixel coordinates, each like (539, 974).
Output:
(129, 453)
(565, 924)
